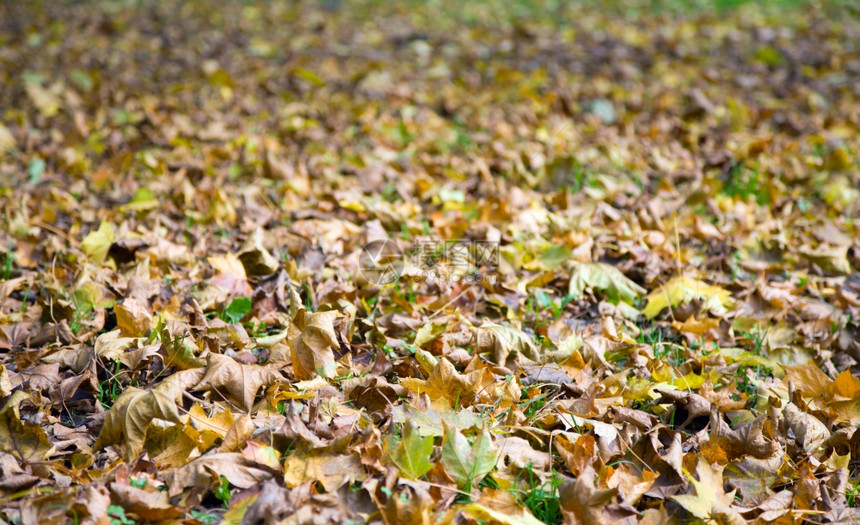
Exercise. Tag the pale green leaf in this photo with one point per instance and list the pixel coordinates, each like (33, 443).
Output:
(412, 453)
(468, 464)
(605, 278)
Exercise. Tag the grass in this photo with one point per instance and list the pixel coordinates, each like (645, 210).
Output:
(8, 263)
(541, 497)
(223, 493)
(663, 350)
(746, 384)
(744, 182)
(110, 388)
(852, 494)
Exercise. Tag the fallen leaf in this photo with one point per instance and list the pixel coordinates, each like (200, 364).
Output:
(204, 471)
(684, 289)
(468, 463)
(710, 500)
(445, 382)
(97, 243)
(500, 341)
(312, 341)
(412, 452)
(133, 318)
(332, 470)
(603, 277)
(149, 505)
(135, 409)
(236, 381)
(26, 441)
(231, 274)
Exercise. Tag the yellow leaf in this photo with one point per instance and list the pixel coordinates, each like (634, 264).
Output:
(709, 492)
(231, 274)
(7, 140)
(330, 469)
(25, 441)
(684, 289)
(97, 243)
(445, 382)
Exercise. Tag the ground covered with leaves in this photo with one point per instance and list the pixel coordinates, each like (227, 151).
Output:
(618, 278)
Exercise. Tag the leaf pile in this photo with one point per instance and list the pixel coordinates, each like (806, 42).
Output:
(669, 329)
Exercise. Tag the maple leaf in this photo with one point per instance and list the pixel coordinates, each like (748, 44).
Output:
(231, 274)
(312, 341)
(603, 277)
(684, 289)
(236, 381)
(498, 506)
(202, 472)
(710, 499)
(150, 505)
(331, 469)
(97, 243)
(25, 441)
(133, 411)
(111, 345)
(582, 499)
(445, 382)
(500, 341)
(411, 453)
(468, 464)
(255, 258)
(133, 318)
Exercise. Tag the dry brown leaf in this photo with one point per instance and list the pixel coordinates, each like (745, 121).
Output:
(582, 502)
(809, 432)
(231, 274)
(235, 381)
(135, 409)
(205, 471)
(25, 441)
(133, 318)
(312, 341)
(445, 382)
(331, 469)
(149, 505)
(111, 345)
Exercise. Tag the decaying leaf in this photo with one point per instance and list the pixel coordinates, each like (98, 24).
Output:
(447, 383)
(231, 274)
(27, 442)
(203, 472)
(235, 381)
(133, 412)
(332, 470)
(434, 263)
(500, 341)
(133, 318)
(312, 343)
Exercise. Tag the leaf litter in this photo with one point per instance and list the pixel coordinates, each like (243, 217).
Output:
(627, 279)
